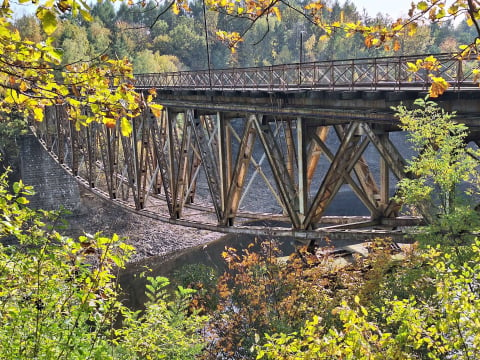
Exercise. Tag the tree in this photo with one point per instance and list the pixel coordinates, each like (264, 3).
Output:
(99, 38)
(261, 293)
(148, 62)
(419, 43)
(29, 28)
(75, 44)
(188, 45)
(444, 173)
(34, 75)
(105, 11)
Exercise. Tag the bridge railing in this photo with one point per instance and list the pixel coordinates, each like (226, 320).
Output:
(366, 73)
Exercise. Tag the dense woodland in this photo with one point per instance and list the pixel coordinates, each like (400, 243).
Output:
(157, 40)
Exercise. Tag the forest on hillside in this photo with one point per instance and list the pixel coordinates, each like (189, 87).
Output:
(157, 40)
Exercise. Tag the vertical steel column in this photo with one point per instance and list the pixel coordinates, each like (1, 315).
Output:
(109, 170)
(302, 169)
(181, 180)
(172, 156)
(136, 168)
(286, 188)
(75, 148)
(91, 133)
(225, 157)
(160, 140)
(384, 177)
(290, 149)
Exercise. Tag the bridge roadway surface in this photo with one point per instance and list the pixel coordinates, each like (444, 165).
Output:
(284, 138)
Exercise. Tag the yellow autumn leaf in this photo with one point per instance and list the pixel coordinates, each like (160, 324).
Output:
(125, 127)
(369, 41)
(422, 6)
(23, 86)
(47, 19)
(396, 45)
(412, 67)
(109, 122)
(438, 87)
(175, 8)
(412, 29)
(324, 38)
(156, 109)
(38, 114)
(277, 13)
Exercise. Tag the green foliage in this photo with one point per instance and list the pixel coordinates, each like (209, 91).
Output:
(443, 174)
(146, 61)
(12, 126)
(37, 73)
(75, 44)
(59, 297)
(203, 279)
(443, 162)
(165, 330)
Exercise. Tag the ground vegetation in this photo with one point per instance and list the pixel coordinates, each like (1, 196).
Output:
(59, 297)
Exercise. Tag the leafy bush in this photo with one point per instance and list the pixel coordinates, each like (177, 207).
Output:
(444, 326)
(59, 297)
(263, 293)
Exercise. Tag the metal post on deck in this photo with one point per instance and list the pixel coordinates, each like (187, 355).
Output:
(206, 44)
(459, 72)
(300, 58)
(301, 165)
(353, 75)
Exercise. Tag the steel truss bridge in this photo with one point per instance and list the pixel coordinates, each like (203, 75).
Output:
(266, 150)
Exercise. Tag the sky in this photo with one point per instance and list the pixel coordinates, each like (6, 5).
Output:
(394, 8)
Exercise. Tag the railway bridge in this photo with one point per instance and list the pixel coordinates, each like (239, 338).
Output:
(266, 150)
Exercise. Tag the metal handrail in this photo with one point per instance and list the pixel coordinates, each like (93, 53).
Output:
(350, 74)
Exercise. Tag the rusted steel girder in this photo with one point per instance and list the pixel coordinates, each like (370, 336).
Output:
(343, 162)
(262, 161)
(364, 198)
(210, 162)
(285, 186)
(240, 169)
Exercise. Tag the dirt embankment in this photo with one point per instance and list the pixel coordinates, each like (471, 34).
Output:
(150, 237)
